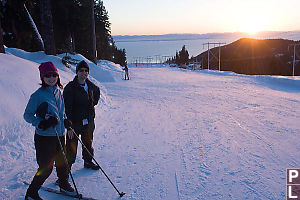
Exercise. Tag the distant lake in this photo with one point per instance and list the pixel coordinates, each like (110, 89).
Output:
(154, 48)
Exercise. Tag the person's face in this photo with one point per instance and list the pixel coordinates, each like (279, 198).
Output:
(83, 74)
(51, 79)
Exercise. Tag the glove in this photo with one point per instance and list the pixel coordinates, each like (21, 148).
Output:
(47, 123)
(68, 124)
(42, 110)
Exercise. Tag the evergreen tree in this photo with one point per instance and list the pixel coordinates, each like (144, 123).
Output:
(84, 34)
(64, 23)
(120, 57)
(80, 26)
(177, 60)
(92, 31)
(183, 56)
(106, 48)
(46, 27)
(35, 32)
(18, 25)
(2, 50)
(104, 42)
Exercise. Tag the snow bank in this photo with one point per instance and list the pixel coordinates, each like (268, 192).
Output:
(20, 77)
(100, 72)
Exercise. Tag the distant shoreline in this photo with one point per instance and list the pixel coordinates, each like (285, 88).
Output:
(195, 36)
(147, 47)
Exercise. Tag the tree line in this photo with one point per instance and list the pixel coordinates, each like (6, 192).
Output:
(181, 57)
(59, 26)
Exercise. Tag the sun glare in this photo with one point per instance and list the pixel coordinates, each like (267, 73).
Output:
(251, 25)
(250, 28)
(250, 18)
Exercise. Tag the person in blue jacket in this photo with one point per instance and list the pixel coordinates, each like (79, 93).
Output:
(48, 131)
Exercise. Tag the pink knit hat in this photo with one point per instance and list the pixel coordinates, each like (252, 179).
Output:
(47, 68)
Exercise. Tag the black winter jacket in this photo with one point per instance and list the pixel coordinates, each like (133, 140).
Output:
(78, 104)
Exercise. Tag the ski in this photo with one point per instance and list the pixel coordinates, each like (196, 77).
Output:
(56, 191)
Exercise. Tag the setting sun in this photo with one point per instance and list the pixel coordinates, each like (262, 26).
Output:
(251, 25)
(250, 18)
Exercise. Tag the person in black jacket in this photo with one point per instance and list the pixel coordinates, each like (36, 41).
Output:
(126, 72)
(80, 96)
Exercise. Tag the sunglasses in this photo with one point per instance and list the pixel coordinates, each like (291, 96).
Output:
(83, 70)
(51, 75)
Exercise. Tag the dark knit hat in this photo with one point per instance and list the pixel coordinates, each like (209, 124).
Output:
(47, 68)
(82, 64)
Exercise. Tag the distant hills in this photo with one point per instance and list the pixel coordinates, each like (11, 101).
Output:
(262, 53)
(292, 35)
(255, 56)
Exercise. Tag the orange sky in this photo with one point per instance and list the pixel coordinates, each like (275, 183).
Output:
(138, 17)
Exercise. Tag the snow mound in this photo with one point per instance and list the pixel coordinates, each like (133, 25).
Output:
(20, 77)
(98, 71)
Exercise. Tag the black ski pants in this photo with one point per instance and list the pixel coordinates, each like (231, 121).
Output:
(48, 151)
(86, 133)
(126, 75)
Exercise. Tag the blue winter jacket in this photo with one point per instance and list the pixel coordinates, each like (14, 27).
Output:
(53, 96)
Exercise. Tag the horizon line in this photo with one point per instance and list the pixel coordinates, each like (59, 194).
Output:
(236, 32)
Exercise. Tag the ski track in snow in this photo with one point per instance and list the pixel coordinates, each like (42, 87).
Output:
(176, 134)
(226, 137)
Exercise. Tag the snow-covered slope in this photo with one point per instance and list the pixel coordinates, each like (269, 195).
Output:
(165, 134)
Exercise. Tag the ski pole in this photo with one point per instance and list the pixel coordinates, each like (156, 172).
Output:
(68, 167)
(120, 193)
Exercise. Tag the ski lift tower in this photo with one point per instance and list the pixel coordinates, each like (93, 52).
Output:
(149, 60)
(294, 59)
(157, 59)
(208, 51)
